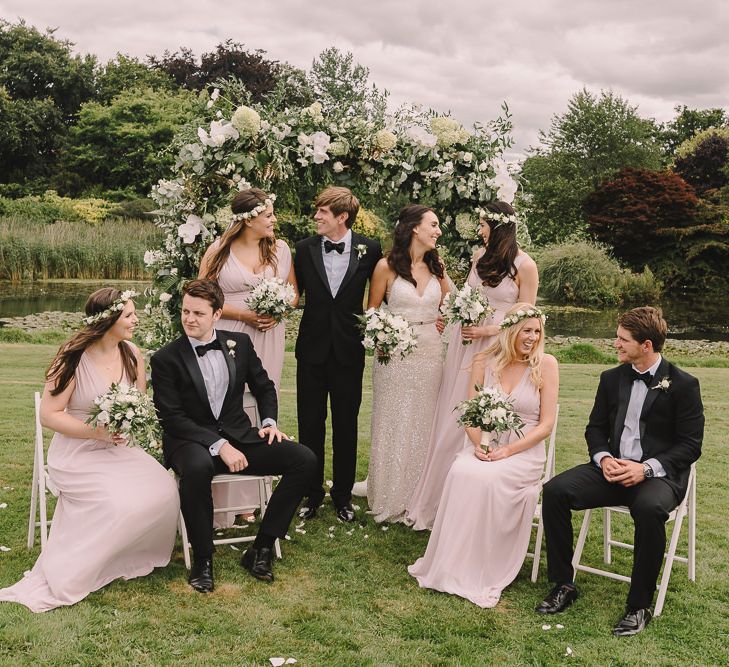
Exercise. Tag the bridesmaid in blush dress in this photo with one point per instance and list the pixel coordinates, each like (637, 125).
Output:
(484, 520)
(404, 392)
(117, 507)
(505, 275)
(246, 253)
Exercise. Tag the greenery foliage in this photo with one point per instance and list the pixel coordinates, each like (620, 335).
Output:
(582, 273)
(597, 136)
(702, 161)
(37, 251)
(689, 123)
(50, 207)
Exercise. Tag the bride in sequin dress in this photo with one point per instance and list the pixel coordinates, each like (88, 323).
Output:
(412, 280)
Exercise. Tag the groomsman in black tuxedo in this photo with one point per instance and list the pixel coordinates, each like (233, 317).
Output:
(198, 383)
(332, 270)
(644, 432)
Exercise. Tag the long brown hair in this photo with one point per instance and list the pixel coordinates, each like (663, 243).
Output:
(498, 261)
(399, 258)
(243, 202)
(63, 366)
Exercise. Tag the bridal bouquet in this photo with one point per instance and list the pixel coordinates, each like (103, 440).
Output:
(272, 297)
(492, 412)
(127, 411)
(386, 333)
(467, 306)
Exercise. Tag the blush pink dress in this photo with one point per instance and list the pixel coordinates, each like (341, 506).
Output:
(446, 438)
(116, 514)
(481, 532)
(237, 281)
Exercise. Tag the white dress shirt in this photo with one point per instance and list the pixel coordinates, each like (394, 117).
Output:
(336, 264)
(214, 370)
(630, 447)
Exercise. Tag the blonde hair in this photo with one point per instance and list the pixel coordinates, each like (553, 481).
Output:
(503, 350)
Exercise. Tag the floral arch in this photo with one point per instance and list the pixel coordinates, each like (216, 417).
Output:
(411, 156)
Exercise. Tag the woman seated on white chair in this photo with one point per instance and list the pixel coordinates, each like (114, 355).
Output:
(481, 531)
(117, 508)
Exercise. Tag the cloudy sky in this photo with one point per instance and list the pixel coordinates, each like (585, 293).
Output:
(465, 56)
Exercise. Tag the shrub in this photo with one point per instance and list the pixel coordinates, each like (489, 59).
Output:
(702, 164)
(631, 211)
(582, 353)
(583, 273)
(134, 208)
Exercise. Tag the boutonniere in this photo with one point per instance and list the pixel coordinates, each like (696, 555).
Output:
(361, 250)
(231, 347)
(663, 384)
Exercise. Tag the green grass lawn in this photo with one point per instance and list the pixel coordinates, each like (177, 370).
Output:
(347, 599)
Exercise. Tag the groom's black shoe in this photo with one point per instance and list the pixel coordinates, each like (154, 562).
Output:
(559, 598)
(345, 513)
(633, 622)
(201, 575)
(308, 509)
(259, 562)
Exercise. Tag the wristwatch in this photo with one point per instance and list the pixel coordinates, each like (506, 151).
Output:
(647, 471)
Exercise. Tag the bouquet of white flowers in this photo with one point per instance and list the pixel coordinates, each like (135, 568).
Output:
(272, 297)
(387, 334)
(468, 306)
(127, 411)
(491, 411)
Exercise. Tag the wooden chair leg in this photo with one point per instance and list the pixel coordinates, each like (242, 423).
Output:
(581, 541)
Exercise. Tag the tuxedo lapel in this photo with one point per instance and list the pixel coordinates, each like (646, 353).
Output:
(353, 262)
(652, 395)
(316, 257)
(230, 362)
(189, 359)
(624, 386)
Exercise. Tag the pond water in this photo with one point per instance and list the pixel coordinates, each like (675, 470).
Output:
(688, 317)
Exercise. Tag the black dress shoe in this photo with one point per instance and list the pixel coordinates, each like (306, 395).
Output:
(308, 509)
(633, 622)
(345, 513)
(201, 575)
(559, 598)
(259, 563)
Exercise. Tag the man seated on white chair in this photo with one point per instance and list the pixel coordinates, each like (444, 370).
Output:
(198, 383)
(645, 430)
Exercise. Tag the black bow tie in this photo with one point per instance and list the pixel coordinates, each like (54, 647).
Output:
(642, 377)
(329, 246)
(202, 350)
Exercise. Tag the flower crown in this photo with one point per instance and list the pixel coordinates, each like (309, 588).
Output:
(256, 210)
(520, 315)
(116, 306)
(499, 218)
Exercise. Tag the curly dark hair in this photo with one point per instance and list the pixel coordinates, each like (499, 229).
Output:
(498, 261)
(63, 367)
(399, 258)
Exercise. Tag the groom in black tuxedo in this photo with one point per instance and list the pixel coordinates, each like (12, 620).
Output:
(644, 432)
(332, 270)
(198, 383)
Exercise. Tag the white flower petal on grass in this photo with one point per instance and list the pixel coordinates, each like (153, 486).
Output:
(277, 662)
(287, 536)
(385, 527)
(330, 484)
(301, 524)
(366, 535)
(3, 548)
(300, 530)
(291, 661)
(546, 627)
(559, 626)
(331, 528)
(568, 651)
(355, 507)
(3, 506)
(233, 547)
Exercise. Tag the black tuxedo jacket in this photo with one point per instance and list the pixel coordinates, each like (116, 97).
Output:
(671, 421)
(329, 323)
(182, 402)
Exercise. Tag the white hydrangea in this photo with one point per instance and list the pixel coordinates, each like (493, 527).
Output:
(247, 121)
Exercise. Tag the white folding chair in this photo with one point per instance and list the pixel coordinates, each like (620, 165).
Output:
(537, 520)
(265, 489)
(41, 485)
(687, 506)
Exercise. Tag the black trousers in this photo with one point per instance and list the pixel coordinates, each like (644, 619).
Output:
(585, 487)
(196, 467)
(343, 386)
